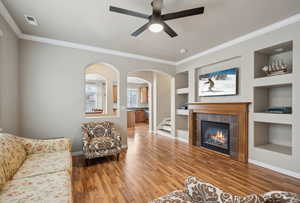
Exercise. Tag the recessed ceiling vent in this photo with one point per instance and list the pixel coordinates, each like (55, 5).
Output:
(31, 20)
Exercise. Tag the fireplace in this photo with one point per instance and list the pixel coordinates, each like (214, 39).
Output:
(220, 127)
(215, 136)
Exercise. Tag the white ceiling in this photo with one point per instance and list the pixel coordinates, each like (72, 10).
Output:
(91, 23)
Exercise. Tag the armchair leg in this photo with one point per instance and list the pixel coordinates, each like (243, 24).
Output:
(118, 156)
(86, 162)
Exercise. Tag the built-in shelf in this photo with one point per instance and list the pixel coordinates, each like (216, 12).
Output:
(272, 96)
(272, 136)
(182, 112)
(182, 91)
(278, 80)
(280, 52)
(276, 148)
(273, 118)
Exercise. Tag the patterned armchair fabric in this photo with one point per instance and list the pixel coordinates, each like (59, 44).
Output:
(198, 191)
(100, 139)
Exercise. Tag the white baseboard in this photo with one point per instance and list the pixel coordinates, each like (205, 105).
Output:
(274, 168)
(77, 153)
(170, 136)
(124, 146)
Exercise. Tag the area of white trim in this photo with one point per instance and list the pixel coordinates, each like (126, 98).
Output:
(170, 136)
(93, 49)
(5, 14)
(124, 146)
(259, 32)
(77, 153)
(274, 168)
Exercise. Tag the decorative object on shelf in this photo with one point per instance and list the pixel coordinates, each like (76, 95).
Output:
(278, 67)
(184, 107)
(279, 110)
(221, 83)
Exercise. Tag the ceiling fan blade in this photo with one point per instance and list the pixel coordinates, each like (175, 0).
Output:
(181, 14)
(169, 30)
(128, 12)
(140, 30)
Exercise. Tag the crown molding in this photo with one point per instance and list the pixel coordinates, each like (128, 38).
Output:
(251, 35)
(93, 49)
(6, 15)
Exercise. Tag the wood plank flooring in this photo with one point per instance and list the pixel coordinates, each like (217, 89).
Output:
(154, 166)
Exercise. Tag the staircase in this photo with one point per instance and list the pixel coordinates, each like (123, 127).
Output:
(164, 128)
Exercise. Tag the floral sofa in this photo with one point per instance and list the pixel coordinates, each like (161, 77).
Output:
(35, 170)
(197, 191)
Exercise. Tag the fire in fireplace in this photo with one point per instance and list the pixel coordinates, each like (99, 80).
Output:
(215, 136)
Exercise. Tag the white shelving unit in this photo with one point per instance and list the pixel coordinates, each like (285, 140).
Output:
(273, 118)
(182, 112)
(273, 132)
(182, 91)
(279, 80)
(182, 98)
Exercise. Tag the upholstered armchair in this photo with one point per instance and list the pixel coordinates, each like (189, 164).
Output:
(100, 139)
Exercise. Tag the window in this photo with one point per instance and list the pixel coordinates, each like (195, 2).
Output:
(91, 96)
(132, 97)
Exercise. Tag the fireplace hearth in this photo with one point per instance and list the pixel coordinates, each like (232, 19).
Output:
(215, 136)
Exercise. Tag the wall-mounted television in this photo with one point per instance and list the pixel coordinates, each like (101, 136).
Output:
(220, 83)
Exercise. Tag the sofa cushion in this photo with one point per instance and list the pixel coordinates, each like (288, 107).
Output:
(38, 164)
(55, 187)
(12, 155)
(178, 196)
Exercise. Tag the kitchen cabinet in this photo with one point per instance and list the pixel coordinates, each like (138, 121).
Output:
(115, 94)
(140, 116)
(144, 95)
(130, 119)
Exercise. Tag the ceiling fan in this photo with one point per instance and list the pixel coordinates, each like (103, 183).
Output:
(156, 21)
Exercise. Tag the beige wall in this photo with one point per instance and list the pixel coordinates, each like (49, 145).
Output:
(52, 89)
(242, 55)
(9, 79)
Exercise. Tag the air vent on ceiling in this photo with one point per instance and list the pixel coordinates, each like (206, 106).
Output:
(31, 20)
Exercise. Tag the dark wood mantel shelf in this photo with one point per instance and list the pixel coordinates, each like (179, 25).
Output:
(237, 109)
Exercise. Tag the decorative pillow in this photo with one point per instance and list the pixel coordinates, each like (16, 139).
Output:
(280, 196)
(12, 155)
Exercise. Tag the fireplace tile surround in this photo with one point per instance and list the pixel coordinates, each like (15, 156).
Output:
(233, 114)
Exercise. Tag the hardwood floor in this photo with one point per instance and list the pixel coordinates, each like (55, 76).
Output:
(154, 166)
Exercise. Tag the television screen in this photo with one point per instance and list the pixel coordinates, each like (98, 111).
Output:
(220, 83)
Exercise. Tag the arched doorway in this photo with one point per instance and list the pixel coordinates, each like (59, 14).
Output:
(161, 101)
(101, 90)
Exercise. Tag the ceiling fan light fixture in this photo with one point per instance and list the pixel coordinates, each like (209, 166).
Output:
(156, 27)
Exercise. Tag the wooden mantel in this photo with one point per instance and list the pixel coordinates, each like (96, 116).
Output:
(237, 109)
